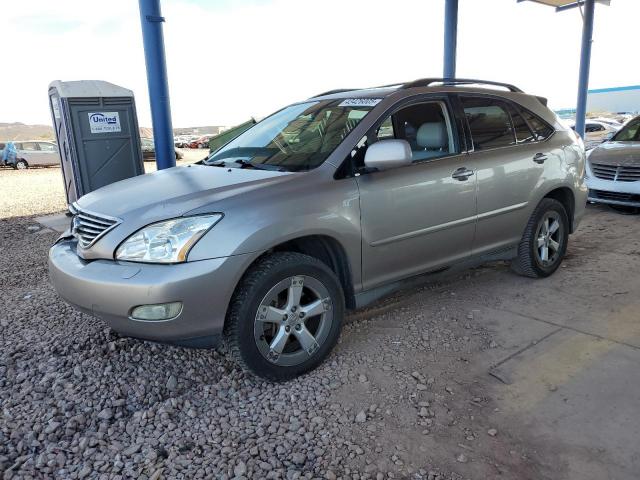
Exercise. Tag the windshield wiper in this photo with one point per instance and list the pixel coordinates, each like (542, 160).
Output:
(241, 163)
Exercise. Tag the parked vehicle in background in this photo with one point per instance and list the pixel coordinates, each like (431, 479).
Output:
(222, 138)
(596, 132)
(624, 117)
(149, 150)
(183, 141)
(613, 170)
(35, 153)
(609, 121)
(201, 142)
(329, 203)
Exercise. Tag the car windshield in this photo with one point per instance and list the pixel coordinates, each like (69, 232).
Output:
(297, 138)
(628, 133)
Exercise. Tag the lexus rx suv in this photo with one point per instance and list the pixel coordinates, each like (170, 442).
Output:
(324, 206)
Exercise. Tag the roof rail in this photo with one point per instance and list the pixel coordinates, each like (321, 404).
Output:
(337, 90)
(426, 82)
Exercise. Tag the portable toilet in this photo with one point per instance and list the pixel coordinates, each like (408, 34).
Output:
(96, 128)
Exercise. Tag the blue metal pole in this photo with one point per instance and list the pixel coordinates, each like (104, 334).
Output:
(151, 18)
(585, 62)
(450, 37)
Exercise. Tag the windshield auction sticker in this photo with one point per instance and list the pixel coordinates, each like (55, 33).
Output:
(104, 122)
(360, 102)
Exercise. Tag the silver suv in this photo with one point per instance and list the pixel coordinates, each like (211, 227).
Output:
(326, 205)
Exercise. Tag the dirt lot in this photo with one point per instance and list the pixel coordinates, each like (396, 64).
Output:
(483, 375)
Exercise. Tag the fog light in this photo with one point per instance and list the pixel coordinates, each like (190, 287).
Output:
(160, 311)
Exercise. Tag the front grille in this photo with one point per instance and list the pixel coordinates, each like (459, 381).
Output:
(626, 173)
(614, 196)
(88, 227)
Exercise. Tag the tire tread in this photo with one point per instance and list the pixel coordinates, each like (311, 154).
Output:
(524, 263)
(247, 285)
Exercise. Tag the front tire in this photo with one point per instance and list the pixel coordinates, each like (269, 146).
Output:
(544, 243)
(285, 316)
(21, 165)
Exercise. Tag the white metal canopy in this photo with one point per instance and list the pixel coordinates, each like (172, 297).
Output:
(563, 4)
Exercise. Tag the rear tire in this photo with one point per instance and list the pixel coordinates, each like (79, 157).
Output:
(544, 243)
(285, 316)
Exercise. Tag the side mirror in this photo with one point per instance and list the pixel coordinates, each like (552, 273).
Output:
(387, 154)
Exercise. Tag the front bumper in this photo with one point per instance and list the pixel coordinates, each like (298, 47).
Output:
(109, 290)
(614, 192)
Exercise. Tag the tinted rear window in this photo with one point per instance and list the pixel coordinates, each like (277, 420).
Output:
(489, 121)
(540, 127)
(520, 126)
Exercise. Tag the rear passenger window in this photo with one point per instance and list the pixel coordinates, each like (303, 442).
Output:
(541, 129)
(46, 147)
(520, 126)
(30, 146)
(489, 122)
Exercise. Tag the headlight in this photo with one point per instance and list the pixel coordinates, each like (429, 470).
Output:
(166, 242)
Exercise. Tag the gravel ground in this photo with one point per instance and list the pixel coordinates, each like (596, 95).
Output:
(398, 398)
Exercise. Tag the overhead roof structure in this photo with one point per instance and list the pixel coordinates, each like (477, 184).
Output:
(152, 19)
(565, 4)
(587, 9)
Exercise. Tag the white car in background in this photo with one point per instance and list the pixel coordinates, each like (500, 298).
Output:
(609, 121)
(595, 132)
(36, 153)
(613, 170)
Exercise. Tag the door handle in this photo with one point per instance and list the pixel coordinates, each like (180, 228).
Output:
(539, 158)
(462, 174)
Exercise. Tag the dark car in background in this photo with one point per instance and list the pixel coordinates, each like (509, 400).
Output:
(149, 150)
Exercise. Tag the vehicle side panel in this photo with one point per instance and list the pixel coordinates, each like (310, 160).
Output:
(415, 219)
(509, 184)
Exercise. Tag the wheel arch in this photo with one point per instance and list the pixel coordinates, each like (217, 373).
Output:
(330, 252)
(565, 196)
(322, 247)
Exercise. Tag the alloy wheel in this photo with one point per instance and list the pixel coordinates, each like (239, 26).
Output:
(549, 238)
(293, 320)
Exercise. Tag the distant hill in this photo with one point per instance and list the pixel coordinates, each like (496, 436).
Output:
(21, 131)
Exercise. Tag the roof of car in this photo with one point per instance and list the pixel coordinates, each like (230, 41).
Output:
(432, 84)
(533, 103)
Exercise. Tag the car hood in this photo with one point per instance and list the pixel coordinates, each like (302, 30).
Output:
(616, 153)
(175, 191)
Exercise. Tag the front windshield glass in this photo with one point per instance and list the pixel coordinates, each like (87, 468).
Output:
(297, 138)
(629, 133)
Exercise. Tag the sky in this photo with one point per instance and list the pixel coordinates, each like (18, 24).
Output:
(229, 60)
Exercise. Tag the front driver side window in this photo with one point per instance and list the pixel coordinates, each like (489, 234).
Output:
(426, 126)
